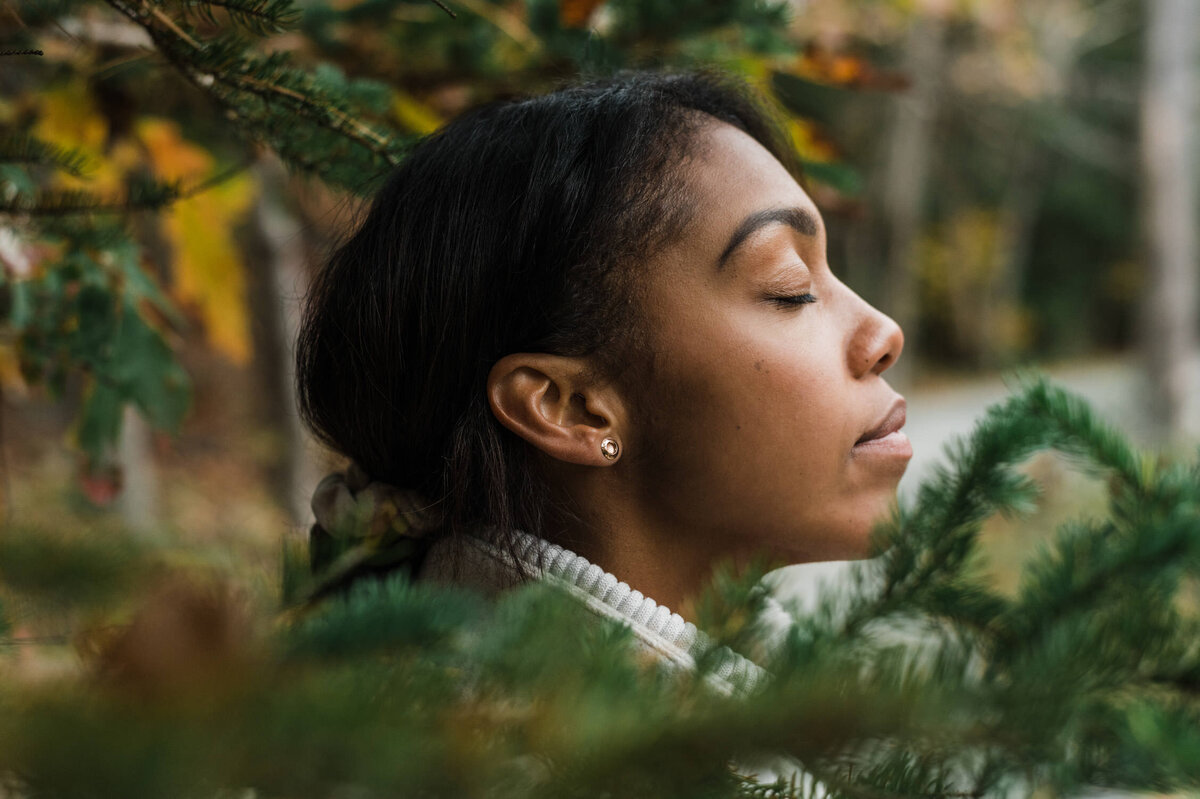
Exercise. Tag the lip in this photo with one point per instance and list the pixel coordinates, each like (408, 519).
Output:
(886, 436)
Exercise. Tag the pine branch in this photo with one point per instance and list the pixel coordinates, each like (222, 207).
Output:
(19, 148)
(141, 195)
(53, 203)
(262, 95)
(1091, 569)
(260, 17)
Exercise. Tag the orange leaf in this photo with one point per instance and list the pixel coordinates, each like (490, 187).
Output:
(576, 13)
(810, 143)
(822, 65)
(208, 272)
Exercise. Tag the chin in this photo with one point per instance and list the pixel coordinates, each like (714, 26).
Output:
(835, 544)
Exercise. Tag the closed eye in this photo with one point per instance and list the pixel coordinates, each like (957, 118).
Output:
(792, 300)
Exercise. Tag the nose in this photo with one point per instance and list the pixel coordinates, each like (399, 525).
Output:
(876, 343)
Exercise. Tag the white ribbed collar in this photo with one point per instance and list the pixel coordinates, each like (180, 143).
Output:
(669, 635)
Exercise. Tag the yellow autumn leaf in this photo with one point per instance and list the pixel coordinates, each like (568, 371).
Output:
(67, 117)
(414, 115)
(209, 276)
(755, 69)
(809, 143)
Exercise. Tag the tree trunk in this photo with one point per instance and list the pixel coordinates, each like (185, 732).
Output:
(276, 248)
(906, 175)
(139, 498)
(1169, 191)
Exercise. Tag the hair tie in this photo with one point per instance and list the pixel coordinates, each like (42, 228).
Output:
(363, 526)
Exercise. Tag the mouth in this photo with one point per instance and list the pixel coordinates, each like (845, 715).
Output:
(886, 436)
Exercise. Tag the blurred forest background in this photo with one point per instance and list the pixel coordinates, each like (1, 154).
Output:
(1014, 182)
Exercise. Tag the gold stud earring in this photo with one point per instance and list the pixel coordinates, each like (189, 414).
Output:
(610, 449)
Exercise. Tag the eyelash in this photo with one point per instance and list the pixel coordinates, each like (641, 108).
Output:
(791, 301)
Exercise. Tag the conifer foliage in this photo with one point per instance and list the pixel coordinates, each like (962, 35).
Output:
(914, 679)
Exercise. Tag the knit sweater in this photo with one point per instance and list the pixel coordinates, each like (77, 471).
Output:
(475, 563)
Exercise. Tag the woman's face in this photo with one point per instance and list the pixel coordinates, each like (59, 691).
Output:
(766, 424)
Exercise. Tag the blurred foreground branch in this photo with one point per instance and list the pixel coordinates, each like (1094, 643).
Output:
(914, 680)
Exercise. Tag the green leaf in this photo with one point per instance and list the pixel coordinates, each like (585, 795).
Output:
(97, 324)
(21, 304)
(99, 422)
(145, 368)
(15, 179)
(840, 176)
(807, 99)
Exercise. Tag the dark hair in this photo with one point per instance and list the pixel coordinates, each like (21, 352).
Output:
(512, 229)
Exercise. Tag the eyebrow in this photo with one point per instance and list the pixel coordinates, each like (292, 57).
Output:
(800, 219)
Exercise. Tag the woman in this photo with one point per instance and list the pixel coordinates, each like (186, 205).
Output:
(594, 334)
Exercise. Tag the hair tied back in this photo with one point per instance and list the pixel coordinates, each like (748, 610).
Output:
(364, 526)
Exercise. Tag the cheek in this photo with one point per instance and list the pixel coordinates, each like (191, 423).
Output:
(799, 421)
(753, 414)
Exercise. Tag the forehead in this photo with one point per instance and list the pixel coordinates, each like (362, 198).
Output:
(729, 177)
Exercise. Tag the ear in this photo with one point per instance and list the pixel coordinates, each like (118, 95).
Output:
(553, 403)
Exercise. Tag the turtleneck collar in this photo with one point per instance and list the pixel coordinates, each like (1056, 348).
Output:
(476, 563)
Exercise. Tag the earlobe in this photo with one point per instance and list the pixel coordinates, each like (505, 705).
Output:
(549, 401)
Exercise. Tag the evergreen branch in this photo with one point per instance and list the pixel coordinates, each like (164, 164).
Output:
(261, 17)
(65, 203)
(18, 148)
(170, 24)
(1079, 431)
(142, 195)
(1089, 564)
(223, 70)
(344, 123)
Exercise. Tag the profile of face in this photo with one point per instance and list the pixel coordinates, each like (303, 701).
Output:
(766, 424)
(763, 424)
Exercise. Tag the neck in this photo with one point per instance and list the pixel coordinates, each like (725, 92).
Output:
(671, 566)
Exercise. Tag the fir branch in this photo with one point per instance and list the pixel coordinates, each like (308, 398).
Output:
(1079, 432)
(1091, 563)
(141, 195)
(260, 17)
(224, 70)
(54, 203)
(18, 148)
(169, 23)
(313, 109)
